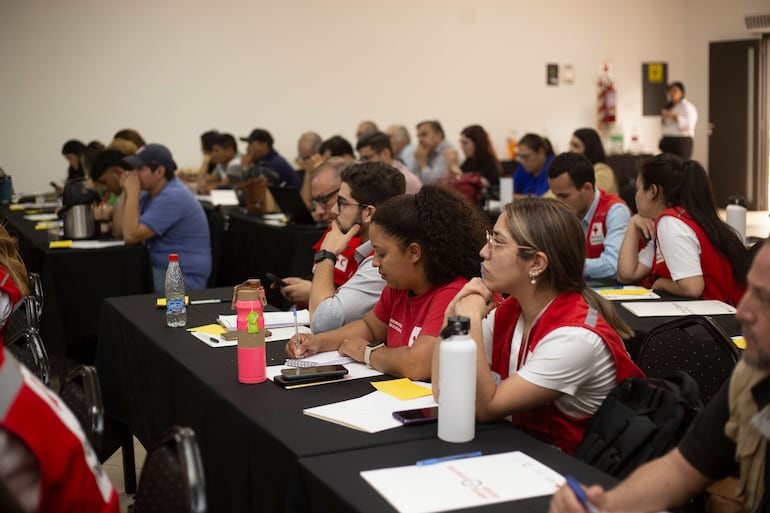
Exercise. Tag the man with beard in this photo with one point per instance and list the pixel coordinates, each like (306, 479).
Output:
(364, 186)
(729, 437)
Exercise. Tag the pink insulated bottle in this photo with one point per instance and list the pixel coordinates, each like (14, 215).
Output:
(252, 366)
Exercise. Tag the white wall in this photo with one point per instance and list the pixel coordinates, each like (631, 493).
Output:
(173, 69)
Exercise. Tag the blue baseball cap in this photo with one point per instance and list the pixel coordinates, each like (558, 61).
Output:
(151, 155)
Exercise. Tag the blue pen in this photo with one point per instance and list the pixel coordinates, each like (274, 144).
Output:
(581, 495)
(296, 326)
(433, 461)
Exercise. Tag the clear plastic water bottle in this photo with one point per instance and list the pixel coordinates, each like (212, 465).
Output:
(176, 311)
(457, 382)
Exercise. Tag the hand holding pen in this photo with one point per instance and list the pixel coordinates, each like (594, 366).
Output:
(573, 498)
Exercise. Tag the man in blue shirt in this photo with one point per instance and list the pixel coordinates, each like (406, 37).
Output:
(157, 209)
(260, 152)
(604, 217)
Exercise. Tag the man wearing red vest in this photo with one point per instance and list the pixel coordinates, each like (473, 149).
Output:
(604, 217)
(46, 462)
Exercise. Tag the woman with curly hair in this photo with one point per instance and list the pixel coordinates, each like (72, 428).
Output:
(551, 352)
(426, 248)
(13, 277)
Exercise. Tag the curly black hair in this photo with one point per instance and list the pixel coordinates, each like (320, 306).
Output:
(449, 230)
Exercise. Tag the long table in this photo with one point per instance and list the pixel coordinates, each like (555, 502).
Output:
(343, 490)
(76, 281)
(251, 436)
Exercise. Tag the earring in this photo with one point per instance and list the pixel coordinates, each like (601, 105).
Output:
(532, 276)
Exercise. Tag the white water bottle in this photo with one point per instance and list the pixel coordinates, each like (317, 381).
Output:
(457, 382)
(735, 215)
(176, 311)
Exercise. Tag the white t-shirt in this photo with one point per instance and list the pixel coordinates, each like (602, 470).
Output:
(678, 245)
(5, 307)
(575, 361)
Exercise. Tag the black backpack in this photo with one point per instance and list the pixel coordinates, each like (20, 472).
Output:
(641, 419)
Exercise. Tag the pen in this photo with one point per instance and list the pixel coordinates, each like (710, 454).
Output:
(214, 340)
(207, 301)
(433, 461)
(296, 326)
(581, 495)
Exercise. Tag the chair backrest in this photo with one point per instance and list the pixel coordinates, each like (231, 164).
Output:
(24, 316)
(81, 392)
(36, 289)
(694, 344)
(28, 348)
(172, 476)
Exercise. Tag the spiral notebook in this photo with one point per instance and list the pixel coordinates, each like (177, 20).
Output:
(325, 358)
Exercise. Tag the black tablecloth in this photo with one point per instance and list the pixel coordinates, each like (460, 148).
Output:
(76, 281)
(252, 248)
(333, 481)
(251, 436)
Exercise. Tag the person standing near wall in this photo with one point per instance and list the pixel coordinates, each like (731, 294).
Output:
(678, 119)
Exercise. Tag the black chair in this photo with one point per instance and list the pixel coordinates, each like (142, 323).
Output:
(217, 235)
(36, 290)
(172, 476)
(24, 317)
(28, 348)
(694, 344)
(81, 392)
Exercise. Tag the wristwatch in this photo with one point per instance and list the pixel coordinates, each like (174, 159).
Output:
(321, 255)
(369, 349)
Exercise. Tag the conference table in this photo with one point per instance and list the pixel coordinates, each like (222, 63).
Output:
(253, 438)
(75, 282)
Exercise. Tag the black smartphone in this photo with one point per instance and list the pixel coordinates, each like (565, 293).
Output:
(307, 373)
(417, 416)
(275, 279)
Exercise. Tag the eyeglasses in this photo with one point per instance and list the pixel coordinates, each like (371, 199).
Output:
(523, 156)
(342, 203)
(492, 243)
(323, 201)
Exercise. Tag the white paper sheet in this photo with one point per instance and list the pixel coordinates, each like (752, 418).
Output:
(41, 217)
(324, 358)
(678, 308)
(276, 334)
(371, 413)
(96, 244)
(464, 483)
(355, 370)
(272, 319)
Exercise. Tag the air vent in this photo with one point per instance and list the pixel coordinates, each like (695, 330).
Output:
(758, 22)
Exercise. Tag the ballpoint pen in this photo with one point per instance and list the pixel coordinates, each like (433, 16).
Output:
(580, 494)
(296, 326)
(433, 461)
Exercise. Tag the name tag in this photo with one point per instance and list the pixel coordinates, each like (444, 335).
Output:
(596, 236)
(415, 333)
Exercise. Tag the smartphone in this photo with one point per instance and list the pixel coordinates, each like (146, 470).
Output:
(306, 373)
(418, 416)
(275, 279)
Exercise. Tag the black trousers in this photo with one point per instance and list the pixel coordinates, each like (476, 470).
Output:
(679, 146)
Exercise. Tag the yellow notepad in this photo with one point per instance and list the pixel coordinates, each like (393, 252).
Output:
(210, 329)
(739, 342)
(56, 244)
(402, 389)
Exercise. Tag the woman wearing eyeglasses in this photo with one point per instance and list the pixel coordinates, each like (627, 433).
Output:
(426, 248)
(534, 155)
(551, 352)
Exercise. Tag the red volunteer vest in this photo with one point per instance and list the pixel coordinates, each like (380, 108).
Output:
(718, 280)
(548, 422)
(9, 287)
(71, 478)
(597, 229)
(346, 265)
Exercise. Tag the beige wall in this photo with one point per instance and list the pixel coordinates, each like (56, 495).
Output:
(175, 68)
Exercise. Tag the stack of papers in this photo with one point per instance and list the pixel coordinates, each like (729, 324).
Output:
(626, 293)
(371, 413)
(679, 308)
(272, 319)
(211, 335)
(464, 483)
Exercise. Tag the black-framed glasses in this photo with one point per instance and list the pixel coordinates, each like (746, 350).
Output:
(323, 201)
(342, 203)
(492, 243)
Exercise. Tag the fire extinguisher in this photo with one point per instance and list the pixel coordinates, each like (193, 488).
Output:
(606, 100)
